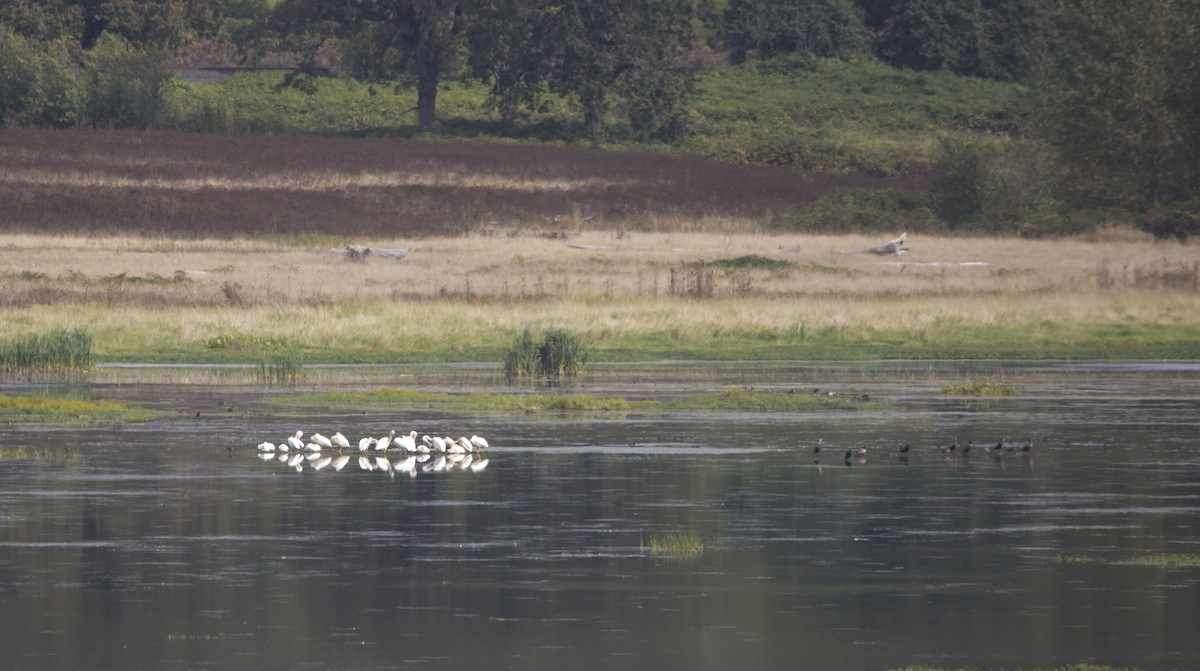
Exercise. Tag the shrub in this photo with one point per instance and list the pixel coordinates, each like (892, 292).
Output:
(866, 211)
(959, 184)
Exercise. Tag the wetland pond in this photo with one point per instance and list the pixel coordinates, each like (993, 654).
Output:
(638, 540)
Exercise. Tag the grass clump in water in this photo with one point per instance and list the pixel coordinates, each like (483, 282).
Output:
(983, 388)
(287, 368)
(676, 545)
(59, 354)
(559, 353)
(45, 409)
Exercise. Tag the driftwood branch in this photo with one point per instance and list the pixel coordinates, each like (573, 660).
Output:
(360, 253)
(895, 246)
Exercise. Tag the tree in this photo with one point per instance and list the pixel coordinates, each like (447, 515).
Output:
(822, 28)
(163, 24)
(593, 50)
(386, 39)
(982, 38)
(1116, 90)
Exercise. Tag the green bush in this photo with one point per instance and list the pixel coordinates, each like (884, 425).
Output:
(959, 184)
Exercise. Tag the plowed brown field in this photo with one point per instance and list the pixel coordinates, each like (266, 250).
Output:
(192, 185)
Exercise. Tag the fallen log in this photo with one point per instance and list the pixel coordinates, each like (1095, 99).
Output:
(895, 246)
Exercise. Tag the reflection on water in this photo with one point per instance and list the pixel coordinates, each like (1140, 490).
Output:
(180, 545)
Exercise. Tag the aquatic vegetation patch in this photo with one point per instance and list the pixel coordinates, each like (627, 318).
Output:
(980, 389)
(559, 353)
(750, 399)
(48, 409)
(730, 399)
(675, 545)
(1162, 560)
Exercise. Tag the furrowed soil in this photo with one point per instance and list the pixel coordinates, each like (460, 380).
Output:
(193, 185)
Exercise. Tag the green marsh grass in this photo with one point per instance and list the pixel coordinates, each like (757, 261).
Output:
(40, 409)
(60, 354)
(559, 353)
(979, 389)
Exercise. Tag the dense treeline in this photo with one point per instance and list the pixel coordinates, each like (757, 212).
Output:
(1109, 118)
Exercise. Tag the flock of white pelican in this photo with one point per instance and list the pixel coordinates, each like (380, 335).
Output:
(428, 454)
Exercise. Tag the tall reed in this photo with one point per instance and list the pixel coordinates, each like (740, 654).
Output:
(559, 353)
(283, 369)
(59, 354)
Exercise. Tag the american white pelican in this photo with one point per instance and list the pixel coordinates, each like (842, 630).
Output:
(364, 444)
(466, 444)
(313, 447)
(479, 465)
(321, 440)
(340, 462)
(294, 441)
(266, 446)
(386, 441)
(439, 444)
(478, 442)
(408, 441)
(339, 441)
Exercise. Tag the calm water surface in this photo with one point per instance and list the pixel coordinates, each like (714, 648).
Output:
(173, 545)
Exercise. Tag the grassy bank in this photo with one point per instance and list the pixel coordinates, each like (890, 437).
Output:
(632, 297)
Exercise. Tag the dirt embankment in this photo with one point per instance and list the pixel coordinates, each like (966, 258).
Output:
(192, 185)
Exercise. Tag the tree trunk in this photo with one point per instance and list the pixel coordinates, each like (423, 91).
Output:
(427, 102)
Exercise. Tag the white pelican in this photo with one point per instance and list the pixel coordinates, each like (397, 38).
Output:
(439, 444)
(478, 442)
(339, 441)
(364, 444)
(266, 446)
(313, 447)
(466, 444)
(455, 448)
(479, 465)
(340, 462)
(294, 441)
(321, 440)
(408, 441)
(386, 441)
